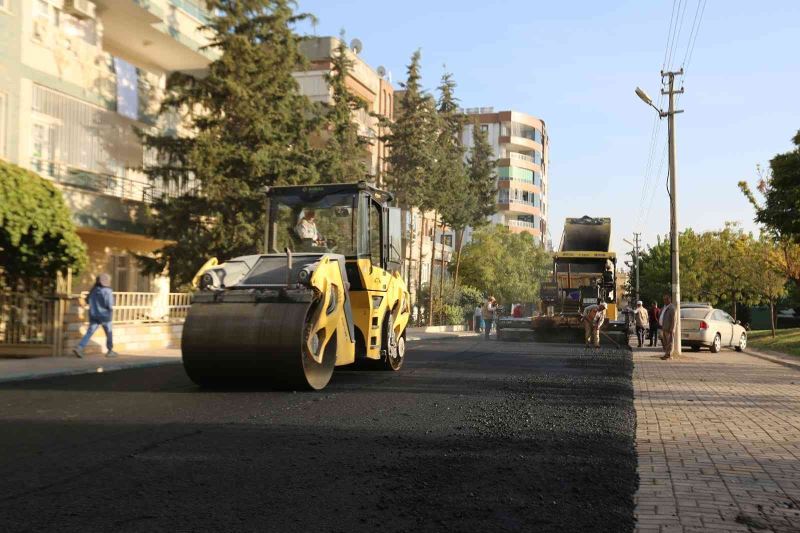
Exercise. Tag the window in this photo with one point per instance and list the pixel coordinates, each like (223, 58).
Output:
(119, 265)
(447, 240)
(485, 128)
(43, 148)
(375, 232)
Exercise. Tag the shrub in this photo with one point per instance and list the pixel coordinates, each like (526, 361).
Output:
(37, 235)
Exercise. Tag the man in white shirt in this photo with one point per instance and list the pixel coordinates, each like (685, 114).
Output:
(306, 228)
(593, 318)
(642, 321)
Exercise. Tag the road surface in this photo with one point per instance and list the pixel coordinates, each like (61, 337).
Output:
(470, 436)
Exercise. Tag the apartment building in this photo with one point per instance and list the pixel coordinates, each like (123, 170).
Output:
(76, 78)
(365, 82)
(521, 147)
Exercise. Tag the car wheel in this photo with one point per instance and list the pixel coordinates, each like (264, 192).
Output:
(717, 344)
(742, 343)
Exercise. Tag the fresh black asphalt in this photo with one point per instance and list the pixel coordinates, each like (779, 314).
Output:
(470, 436)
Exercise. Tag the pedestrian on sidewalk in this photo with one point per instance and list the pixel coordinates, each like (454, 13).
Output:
(101, 309)
(642, 321)
(488, 312)
(667, 327)
(593, 317)
(653, 314)
(477, 318)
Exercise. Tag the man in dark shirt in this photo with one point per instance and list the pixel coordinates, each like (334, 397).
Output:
(653, 314)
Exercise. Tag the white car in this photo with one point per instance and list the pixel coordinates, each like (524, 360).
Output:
(702, 325)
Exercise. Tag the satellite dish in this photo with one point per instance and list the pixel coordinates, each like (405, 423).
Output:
(356, 45)
(381, 71)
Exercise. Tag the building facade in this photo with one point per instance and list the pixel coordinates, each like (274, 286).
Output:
(521, 147)
(77, 77)
(365, 82)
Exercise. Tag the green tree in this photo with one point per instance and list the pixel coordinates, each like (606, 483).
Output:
(510, 266)
(479, 200)
(411, 152)
(782, 194)
(343, 157)
(247, 126)
(786, 257)
(411, 141)
(448, 186)
(768, 282)
(37, 235)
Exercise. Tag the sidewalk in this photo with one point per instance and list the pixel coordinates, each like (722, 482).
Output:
(42, 367)
(718, 443)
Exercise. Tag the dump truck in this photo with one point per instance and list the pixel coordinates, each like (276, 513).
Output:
(584, 273)
(327, 293)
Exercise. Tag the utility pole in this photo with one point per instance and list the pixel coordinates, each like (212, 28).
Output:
(636, 237)
(669, 76)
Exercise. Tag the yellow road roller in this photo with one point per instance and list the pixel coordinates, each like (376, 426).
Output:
(327, 293)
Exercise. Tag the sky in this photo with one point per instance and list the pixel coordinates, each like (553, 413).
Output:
(575, 64)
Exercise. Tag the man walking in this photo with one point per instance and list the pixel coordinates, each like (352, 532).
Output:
(653, 314)
(593, 317)
(488, 312)
(101, 307)
(642, 322)
(667, 327)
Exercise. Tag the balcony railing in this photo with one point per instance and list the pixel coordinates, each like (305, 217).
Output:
(108, 184)
(521, 157)
(522, 224)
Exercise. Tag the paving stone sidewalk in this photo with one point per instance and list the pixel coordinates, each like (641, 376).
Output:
(718, 443)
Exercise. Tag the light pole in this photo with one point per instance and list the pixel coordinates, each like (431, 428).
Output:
(673, 196)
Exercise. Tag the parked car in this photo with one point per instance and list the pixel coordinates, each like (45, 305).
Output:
(704, 326)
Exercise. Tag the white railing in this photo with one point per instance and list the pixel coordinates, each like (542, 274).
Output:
(131, 307)
(478, 110)
(522, 224)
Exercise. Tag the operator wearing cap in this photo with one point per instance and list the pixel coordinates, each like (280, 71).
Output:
(593, 318)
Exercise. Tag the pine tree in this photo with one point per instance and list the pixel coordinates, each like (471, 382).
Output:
(481, 189)
(411, 142)
(247, 126)
(343, 157)
(449, 179)
(411, 152)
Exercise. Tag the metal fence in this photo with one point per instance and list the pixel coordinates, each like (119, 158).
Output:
(32, 317)
(131, 307)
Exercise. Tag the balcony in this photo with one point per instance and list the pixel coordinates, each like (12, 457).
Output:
(519, 226)
(110, 185)
(160, 32)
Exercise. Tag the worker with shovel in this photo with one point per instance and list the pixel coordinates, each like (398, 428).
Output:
(593, 318)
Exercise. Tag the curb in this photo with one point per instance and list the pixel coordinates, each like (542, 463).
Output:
(100, 369)
(771, 358)
(438, 337)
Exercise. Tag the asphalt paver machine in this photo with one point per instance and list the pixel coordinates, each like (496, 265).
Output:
(584, 273)
(327, 293)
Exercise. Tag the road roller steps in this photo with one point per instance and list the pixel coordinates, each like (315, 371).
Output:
(333, 297)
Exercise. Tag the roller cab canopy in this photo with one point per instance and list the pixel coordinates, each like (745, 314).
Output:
(351, 219)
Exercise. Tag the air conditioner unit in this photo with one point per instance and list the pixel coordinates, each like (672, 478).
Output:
(83, 9)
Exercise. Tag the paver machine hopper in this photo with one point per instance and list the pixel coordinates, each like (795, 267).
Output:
(327, 293)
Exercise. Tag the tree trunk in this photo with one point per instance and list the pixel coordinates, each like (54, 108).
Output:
(419, 265)
(408, 244)
(459, 243)
(430, 274)
(441, 281)
(772, 316)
